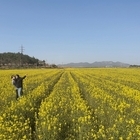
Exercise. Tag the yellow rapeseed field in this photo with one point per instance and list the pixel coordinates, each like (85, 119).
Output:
(71, 104)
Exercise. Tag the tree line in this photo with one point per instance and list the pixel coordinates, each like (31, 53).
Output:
(15, 60)
(134, 66)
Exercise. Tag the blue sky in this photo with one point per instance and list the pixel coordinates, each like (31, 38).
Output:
(64, 31)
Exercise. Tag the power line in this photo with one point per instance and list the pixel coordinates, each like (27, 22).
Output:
(21, 49)
(21, 53)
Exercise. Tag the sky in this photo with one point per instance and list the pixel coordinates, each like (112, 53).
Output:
(65, 31)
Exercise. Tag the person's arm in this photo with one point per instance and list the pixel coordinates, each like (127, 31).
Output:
(23, 77)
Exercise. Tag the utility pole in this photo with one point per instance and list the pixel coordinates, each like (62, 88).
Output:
(21, 53)
(22, 49)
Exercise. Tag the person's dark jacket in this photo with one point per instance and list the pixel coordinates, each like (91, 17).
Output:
(19, 82)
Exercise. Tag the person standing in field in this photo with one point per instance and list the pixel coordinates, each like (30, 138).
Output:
(18, 83)
(14, 83)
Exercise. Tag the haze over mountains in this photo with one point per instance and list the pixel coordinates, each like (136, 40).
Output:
(96, 64)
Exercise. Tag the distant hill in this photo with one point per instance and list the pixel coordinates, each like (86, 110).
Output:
(17, 59)
(96, 64)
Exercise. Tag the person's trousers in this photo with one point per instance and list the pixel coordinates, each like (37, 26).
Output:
(18, 92)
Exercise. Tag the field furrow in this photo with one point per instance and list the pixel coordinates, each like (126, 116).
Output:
(71, 104)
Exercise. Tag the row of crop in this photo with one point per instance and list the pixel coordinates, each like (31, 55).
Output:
(64, 114)
(116, 89)
(87, 106)
(18, 121)
(33, 79)
(120, 92)
(114, 114)
(7, 90)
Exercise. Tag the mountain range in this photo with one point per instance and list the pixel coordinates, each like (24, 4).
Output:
(96, 64)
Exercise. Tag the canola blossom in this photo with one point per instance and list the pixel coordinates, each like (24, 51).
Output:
(71, 104)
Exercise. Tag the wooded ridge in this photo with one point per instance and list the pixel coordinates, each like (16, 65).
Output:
(18, 59)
